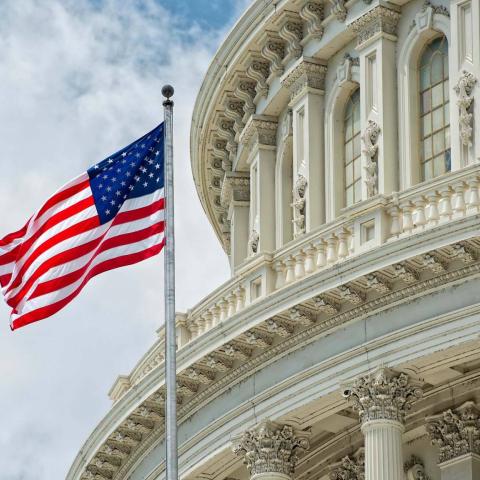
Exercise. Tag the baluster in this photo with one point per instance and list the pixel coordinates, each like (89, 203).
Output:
(472, 199)
(231, 305)
(419, 219)
(459, 200)
(290, 265)
(223, 304)
(240, 295)
(351, 241)
(299, 265)
(432, 209)
(279, 268)
(310, 259)
(331, 249)
(407, 221)
(200, 325)
(395, 228)
(321, 259)
(208, 320)
(342, 244)
(215, 314)
(193, 329)
(445, 204)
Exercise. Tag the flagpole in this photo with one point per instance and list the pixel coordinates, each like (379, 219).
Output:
(170, 330)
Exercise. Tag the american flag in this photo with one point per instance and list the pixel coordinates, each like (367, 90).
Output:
(108, 217)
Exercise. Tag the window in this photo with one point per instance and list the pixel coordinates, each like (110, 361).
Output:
(434, 110)
(352, 150)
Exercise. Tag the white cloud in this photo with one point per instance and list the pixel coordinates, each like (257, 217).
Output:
(77, 82)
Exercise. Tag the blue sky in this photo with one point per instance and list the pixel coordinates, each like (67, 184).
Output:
(78, 81)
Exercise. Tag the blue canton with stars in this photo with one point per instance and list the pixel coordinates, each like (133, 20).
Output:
(135, 171)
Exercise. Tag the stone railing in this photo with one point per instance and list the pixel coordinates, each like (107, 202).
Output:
(366, 226)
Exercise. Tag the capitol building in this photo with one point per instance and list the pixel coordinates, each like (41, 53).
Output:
(335, 147)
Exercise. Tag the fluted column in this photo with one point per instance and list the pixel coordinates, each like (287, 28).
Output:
(382, 399)
(456, 432)
(270, 450)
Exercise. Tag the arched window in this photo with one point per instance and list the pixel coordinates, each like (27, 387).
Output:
(352, 150)
(434, 110)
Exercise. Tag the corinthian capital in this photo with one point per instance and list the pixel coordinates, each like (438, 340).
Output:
(260, 129)
(456, 432)
(271, 448)
(306, 73)
(383, 395)
(349, 467)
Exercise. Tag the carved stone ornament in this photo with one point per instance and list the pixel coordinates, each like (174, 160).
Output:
(299, 201)
(464, 90)
(370, 139)
(306, 74)
(260, 129)
(350, 467)
(339, 9)
(271, 448)
(414, 469)
(273, 50)
(312, 14)
(377, 20)
(235, 188)
(253, 242)
(344, 71)
(456, 432)
(382, 395)
(292, 32)
(258, 70)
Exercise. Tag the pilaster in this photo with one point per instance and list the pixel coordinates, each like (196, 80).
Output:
(259, 136)
(382, 399)
(306, 83)
(376, 44)
(271, 451)
(464, 60)
(235, 197)
(456, 432)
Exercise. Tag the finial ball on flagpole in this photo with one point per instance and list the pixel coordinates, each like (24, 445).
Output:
(167, 91)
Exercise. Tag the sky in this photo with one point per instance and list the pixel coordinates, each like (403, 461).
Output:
(80, 79)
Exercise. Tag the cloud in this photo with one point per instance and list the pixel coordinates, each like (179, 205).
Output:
(79, 80)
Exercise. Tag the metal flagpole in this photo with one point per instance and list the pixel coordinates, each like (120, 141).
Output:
(170, 331)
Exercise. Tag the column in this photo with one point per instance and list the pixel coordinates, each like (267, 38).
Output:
(270, 450)
(259, 136)
(382, 399)
(376, 44)
(235, 197)
(464, 73)
(456, 432)
(306, 83)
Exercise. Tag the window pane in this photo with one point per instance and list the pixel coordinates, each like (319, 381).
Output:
(356, 146)
(437, 68)
(427, 174)
(356, 119)
(437, 119)
(427, 128)
(349, 174)
(349, 196)
(427, 148)
(438, 143)
(357, 168)
(438, 165)
(348, 152)
(426, 104)
(437, 95)
(424, 78)
(448, 160)
(358, 191)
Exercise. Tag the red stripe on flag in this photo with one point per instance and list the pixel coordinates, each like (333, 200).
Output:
(63, 195)
(4, 279)
(13, 236)
(72, 231)
(49, 310)
(138, 213)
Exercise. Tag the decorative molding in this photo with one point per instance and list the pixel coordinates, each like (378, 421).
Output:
(273, 50)
(312, 13)
(344, 71)
(378, 283)
(291, 30)
(245, 90)
(339, 9)
(235, 188)
(259, 70)
(414, 469)
(253, 242)
(234, 111)
(383, 395)
(271, 448)
(406, 273)
(260, 129)
(456, 431)
(299, 205)
(351, 467)
(307, 73)
(378, 20)
(370, 139)
(464, 91)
